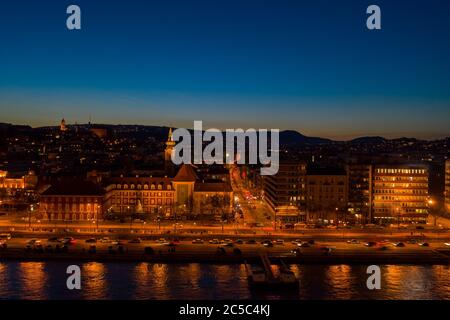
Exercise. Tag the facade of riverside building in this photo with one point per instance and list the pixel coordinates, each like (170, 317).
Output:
(327, 195)
(181, 196)
(400, 193)
(358, 193)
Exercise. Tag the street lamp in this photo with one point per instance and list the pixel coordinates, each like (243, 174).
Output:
(29, 215)
(431, 203)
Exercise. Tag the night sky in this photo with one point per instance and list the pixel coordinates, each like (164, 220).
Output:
(311, 66)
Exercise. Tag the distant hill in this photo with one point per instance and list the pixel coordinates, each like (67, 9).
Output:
(291, 137)
(368, 140)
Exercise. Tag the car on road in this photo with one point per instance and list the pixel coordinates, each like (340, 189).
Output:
(228, 244)
(161, 240)
(197, 241)
(105, 240)
(370, 244)
(412, 241)
(353, 241)
(382, 248)
(53, 239)
(91, 240)
(33, 242)
(399, 244)
(251, 241)
(304, 245)
(325, 250)
(5, 236)
(69, 240)
(239, 241)
(214, 241)
(267, 243)
(424, 244)
(279, 241)
(135, 240)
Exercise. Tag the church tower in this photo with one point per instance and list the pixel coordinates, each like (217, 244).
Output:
(63, 127)
(168, 164)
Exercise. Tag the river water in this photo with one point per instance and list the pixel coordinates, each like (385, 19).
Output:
(47, 280)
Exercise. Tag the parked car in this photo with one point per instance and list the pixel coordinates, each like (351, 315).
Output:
(228, 244)
(370, 244)
(251, 241)
(105, 240)
(325, 250)
(53, 239)
(91, 240)
(214, 241)
(268, 244)
(399, 244)
(304, 245)
(239, 241)
(32, 242)
(424, 244)
(5, 236)
(279, 241)
(197, 241)
(69, 240)
(353, 241)
(135, 240)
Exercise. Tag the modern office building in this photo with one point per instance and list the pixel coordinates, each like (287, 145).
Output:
(285, 192)
(400, 193)
(359, 192)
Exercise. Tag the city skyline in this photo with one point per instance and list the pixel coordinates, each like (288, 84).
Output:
(231, 65)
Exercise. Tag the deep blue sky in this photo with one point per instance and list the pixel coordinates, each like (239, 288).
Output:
(309, 65)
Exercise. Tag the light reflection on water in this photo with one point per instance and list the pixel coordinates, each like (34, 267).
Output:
(47, 280)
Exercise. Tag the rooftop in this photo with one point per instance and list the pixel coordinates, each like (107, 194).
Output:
(74, 187)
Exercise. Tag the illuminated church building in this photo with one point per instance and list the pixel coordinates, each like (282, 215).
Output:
(183, 194)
